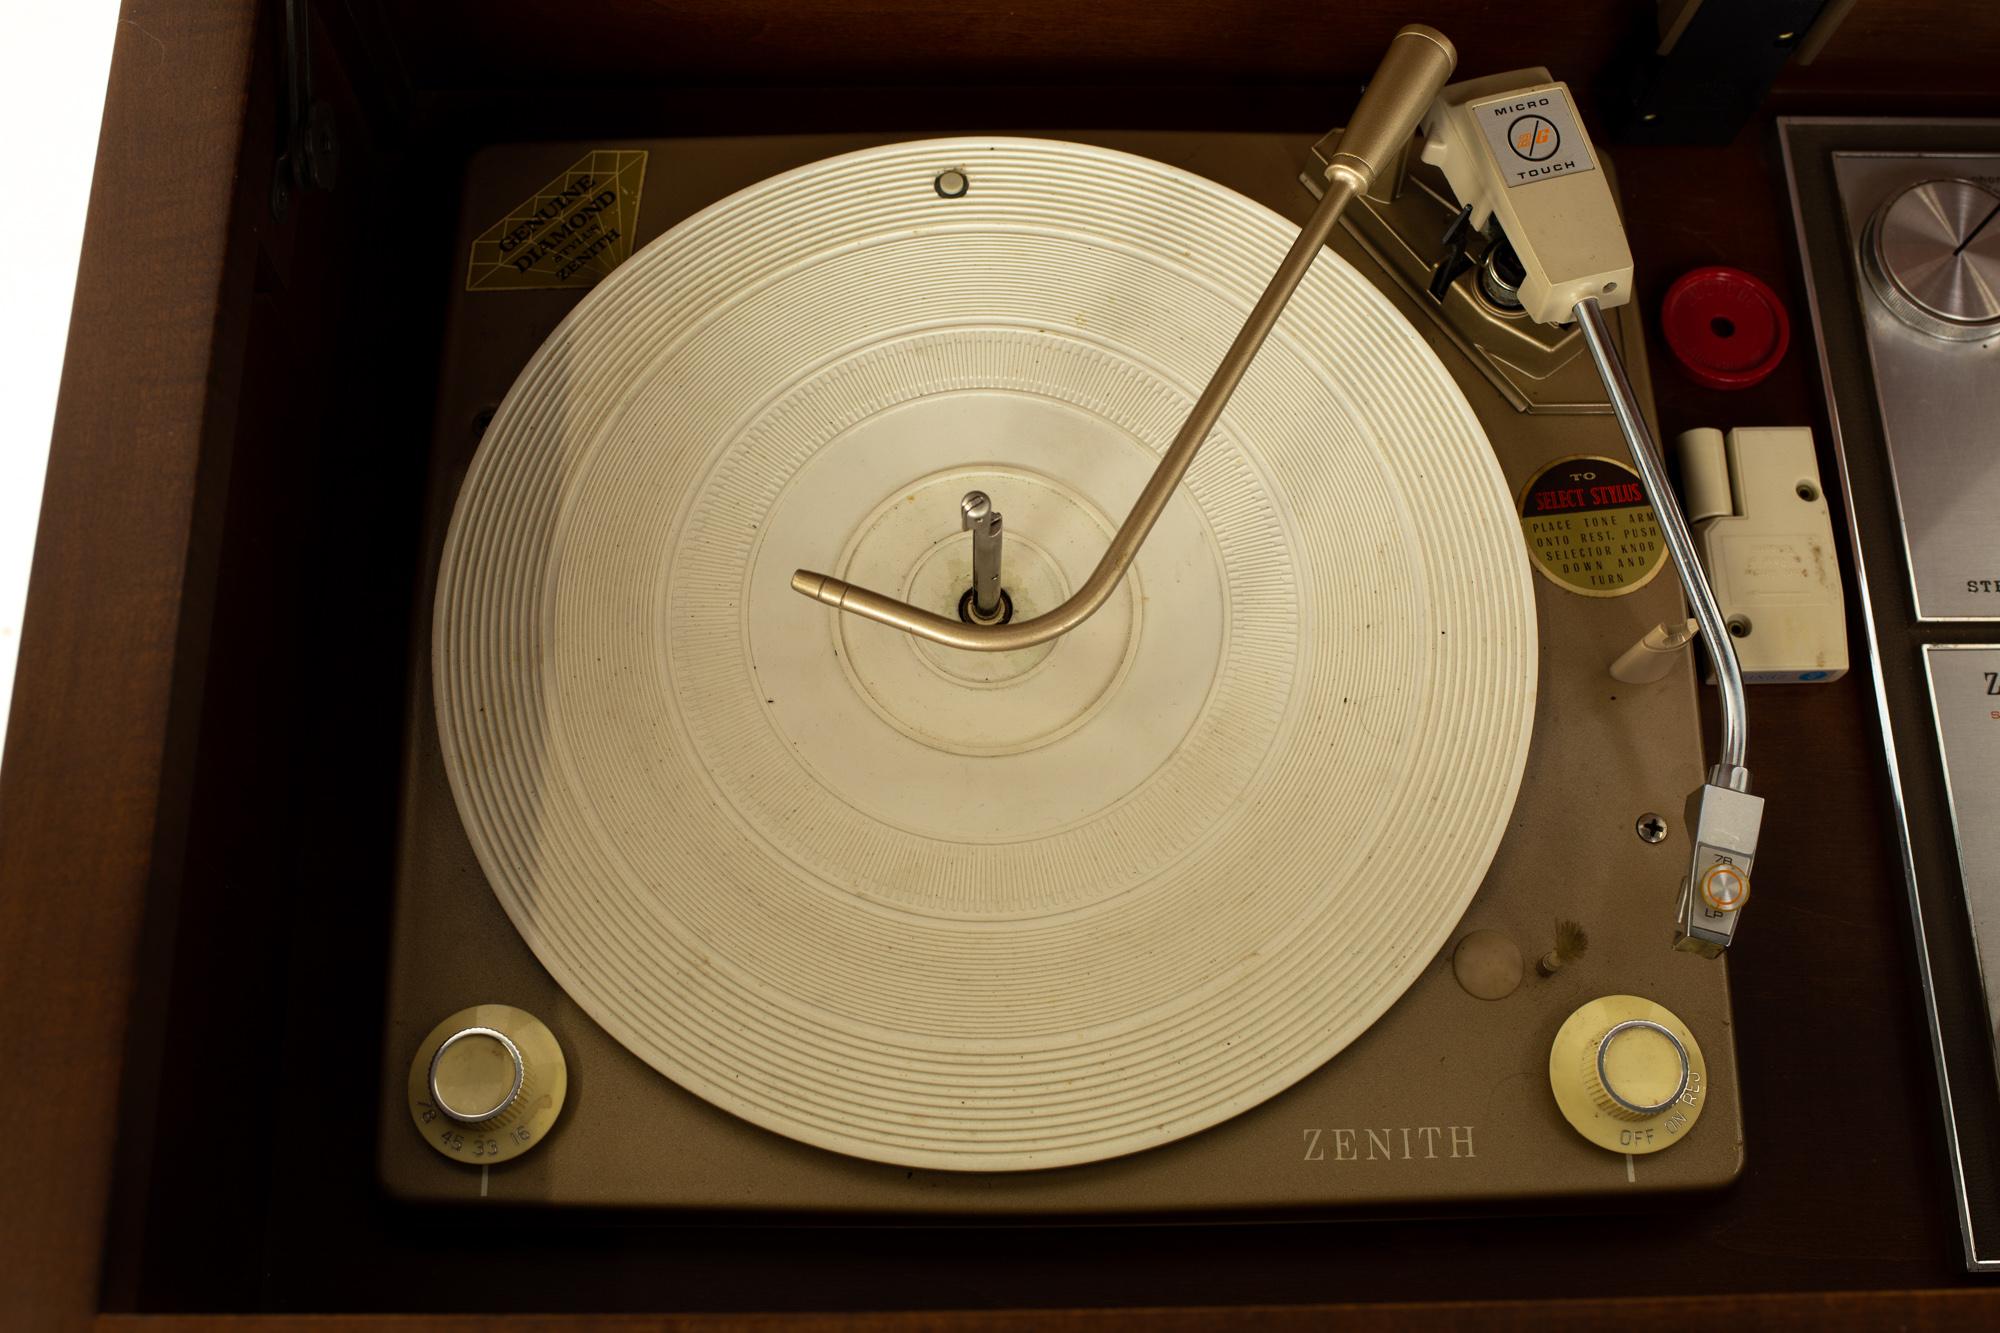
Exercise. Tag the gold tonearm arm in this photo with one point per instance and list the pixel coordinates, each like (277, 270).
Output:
(1417, 64)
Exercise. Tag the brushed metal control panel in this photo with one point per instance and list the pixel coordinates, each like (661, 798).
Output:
(1940, 406)
(1965, 693)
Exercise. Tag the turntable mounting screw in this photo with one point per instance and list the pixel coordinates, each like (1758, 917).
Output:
(1651, 828)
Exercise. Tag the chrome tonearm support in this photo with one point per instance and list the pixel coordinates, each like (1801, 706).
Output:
(1412, 72)
(1723, 817)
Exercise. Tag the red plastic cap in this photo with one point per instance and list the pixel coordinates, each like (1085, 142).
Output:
(1727, 329)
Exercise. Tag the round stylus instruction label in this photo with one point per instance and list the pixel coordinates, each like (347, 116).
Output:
(1589, 528)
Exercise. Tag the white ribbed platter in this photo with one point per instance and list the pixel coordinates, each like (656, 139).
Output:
(947, 909)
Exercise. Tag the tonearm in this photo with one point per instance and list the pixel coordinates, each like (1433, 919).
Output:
(1514, 153)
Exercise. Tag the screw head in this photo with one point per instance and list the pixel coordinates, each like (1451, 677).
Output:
(1650, 828)
(281, 191)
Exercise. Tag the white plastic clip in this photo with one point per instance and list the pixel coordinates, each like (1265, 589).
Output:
(1653, 656)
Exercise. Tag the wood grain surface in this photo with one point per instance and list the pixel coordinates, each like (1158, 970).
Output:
(1911, 1312)
(113, 641)
(1944, 45)
(158, 767)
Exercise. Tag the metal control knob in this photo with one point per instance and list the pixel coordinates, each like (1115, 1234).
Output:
(1725, 886)
(1932, 254)
(476, 1074)
(487, 1084)
(1636, 1069)
(1628, 1075)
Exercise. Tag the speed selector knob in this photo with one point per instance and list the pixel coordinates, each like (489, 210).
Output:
(487, 1084)
(1628, 1075)
(476, 1074)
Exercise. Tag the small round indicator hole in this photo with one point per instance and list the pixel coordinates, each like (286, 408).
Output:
(1807, 491)
(1739, 626)
(951, 184)
(1612, 286)
(1722, 327)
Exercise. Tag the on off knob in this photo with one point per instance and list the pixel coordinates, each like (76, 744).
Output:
(1638, 1069)
(487, 1084)
(1628, 1075)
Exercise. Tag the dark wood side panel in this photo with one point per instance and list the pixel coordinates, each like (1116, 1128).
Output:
(115, 652)
(1909, 46)
(1913, 1312)
(461, 44)
(1940, 46)
(111, 651)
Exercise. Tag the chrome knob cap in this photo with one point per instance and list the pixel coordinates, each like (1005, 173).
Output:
(475, 1074)
(1932, 255)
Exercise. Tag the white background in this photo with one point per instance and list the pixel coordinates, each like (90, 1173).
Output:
(53, 62)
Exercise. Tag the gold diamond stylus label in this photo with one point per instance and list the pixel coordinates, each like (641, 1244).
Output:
(1589, 528)
(570, 233)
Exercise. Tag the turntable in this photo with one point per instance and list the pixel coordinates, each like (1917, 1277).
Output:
(954, 692)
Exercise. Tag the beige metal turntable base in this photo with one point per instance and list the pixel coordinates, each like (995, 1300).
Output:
(1444, 1100)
